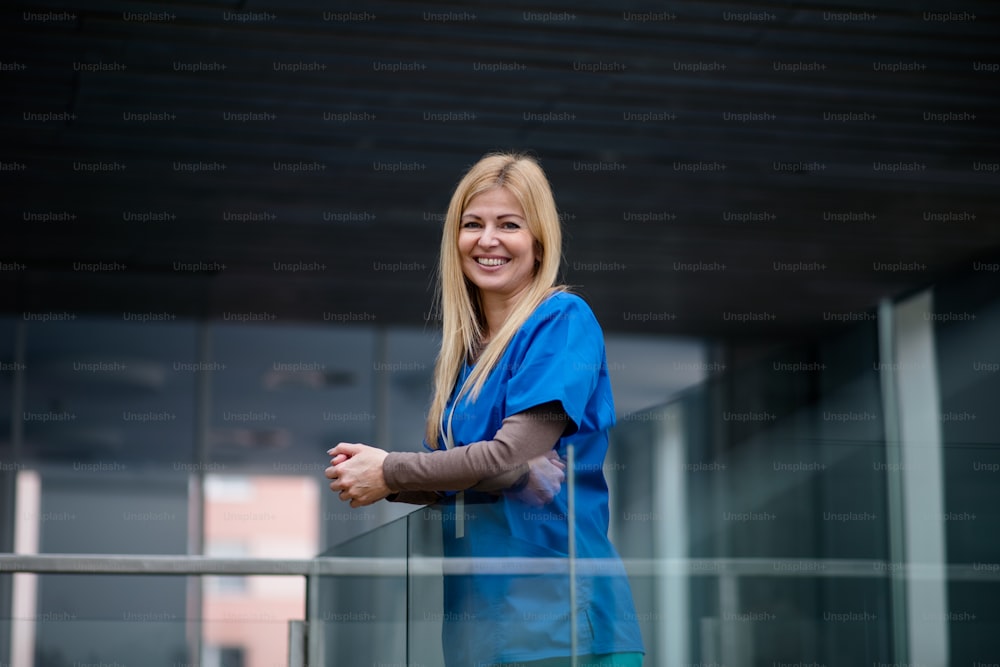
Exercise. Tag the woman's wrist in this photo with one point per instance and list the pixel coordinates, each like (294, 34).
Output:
(389, 465)
(521, 482)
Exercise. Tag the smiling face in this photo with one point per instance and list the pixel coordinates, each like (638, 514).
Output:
(498, 251)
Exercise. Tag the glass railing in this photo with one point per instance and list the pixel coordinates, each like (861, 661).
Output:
(770, 516)
(786, 609)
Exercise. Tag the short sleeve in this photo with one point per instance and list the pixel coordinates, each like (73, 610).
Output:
(559, 355)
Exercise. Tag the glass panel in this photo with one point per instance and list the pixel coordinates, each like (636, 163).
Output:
(124, 619)
(480, 597)
(362, 618)
(255, 516)
(746, 491)
(135, 620)
(426, 612)
(142, 620)
(966, 330)
(249, 627)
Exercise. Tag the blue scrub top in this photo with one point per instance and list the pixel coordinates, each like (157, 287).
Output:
(557, 355)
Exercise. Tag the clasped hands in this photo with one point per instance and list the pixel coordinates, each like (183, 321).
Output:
(356, 476)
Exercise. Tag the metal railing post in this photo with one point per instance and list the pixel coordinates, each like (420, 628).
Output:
(298, 637)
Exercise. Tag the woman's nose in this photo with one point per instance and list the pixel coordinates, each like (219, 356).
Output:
(488, 236)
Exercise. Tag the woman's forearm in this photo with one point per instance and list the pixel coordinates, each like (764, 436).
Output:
(489, 465)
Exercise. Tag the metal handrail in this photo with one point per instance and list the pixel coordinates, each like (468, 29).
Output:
(198, 565)
(437, 566)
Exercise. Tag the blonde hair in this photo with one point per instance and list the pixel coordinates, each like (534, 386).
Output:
(458, 300)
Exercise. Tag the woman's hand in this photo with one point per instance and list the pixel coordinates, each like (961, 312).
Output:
(545, 477)
(356, 473)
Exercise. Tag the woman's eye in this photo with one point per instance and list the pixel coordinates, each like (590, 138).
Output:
(470, 225)
(511, 225)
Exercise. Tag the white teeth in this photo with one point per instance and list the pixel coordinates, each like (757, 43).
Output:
(491, 261)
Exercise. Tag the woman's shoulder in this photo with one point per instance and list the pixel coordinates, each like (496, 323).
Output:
(564, 299)
(564, 305)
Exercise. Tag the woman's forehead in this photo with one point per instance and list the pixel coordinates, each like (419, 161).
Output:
(495, 201)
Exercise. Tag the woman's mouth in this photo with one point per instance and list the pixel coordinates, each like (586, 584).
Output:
(491, 261)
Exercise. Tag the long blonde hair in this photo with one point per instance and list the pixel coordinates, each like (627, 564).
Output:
(458, 300)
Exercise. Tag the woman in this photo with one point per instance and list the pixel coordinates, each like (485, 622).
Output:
(520, 378)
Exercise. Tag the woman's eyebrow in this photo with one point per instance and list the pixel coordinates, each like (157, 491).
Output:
(502, 215)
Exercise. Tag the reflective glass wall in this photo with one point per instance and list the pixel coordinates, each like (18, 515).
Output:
(966, 326)
(825, 502)
(831, 502)
(101, 426)
(763, 495)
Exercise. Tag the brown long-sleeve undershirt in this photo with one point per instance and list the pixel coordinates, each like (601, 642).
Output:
(488, 465)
